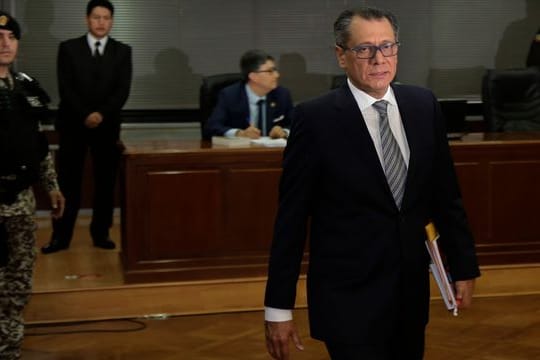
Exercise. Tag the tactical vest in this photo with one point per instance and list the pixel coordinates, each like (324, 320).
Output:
(22, 145)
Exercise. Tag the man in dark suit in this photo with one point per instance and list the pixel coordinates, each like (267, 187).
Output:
(241, 105)
(94, 79)
(368, 175)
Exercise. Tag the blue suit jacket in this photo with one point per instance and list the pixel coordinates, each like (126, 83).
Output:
(232, 110)
(368, 265)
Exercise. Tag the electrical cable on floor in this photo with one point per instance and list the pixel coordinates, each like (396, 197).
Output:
(30, 329)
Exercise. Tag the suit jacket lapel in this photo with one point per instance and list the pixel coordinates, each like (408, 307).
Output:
(355, 131)
(109, 50)
(244, 104)
(407, 112)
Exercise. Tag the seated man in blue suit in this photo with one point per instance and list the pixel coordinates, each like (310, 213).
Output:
(255, 106)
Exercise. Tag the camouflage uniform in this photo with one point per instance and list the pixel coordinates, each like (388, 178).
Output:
(17, 230)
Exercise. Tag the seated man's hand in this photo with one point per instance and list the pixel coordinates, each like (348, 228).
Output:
(250, 132)
(277, 132)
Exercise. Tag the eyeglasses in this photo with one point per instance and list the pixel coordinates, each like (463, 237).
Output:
(369, 51)
(270, 71)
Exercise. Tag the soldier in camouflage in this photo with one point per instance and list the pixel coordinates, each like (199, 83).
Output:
(24, 160)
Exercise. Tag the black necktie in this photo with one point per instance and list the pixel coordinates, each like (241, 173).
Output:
(97, 54)
(260, 114)
(394, 164)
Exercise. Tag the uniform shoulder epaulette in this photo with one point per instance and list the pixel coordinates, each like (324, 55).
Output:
(23, 77)
(33, 87)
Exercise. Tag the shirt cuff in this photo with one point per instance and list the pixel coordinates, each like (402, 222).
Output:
(230, 133)
(278, 315)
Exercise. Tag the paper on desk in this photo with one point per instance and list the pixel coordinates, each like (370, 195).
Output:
(268, 141)
(230, 141)
(438, 270)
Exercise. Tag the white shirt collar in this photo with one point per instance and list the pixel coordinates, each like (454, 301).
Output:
(91, 39)
(252, 97)
(365, 100)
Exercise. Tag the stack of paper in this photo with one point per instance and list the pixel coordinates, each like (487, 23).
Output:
(231, 141)
(268, 141)
(438, 270)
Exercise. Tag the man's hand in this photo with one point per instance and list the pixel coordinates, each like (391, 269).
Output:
(277, 338)
(464, 292)
(93, 120)
(277, 132)
(251, 132)
(58, 202)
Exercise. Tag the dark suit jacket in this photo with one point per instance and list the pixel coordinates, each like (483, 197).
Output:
(368, 265)
(84, 87)
(232, 110)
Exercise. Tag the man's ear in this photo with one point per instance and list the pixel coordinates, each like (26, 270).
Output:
(340, 56)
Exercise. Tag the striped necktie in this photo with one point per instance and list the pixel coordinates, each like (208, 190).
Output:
(394, 165)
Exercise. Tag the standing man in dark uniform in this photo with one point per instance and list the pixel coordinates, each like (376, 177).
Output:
(366, 167)
(94, 79)
(25, 159)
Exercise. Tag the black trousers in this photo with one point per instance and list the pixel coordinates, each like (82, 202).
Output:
(72, 154)
(407, 344)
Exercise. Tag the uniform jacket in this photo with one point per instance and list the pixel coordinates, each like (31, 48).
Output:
(368, 265)
(86, 87)
(22, 145)
(232, 110)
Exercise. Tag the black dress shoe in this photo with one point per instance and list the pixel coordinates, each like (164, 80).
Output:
(105, 244)
(53, 246)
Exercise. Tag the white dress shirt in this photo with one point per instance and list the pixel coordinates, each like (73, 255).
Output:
(92, 43)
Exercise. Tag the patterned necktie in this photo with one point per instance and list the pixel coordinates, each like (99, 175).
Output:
(394, 165)
(262, 123)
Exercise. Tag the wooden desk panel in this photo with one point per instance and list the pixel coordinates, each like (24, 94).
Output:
(499, 176)
(190, 211)
(198, 212)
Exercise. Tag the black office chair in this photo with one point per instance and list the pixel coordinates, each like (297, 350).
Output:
(208, 94)
(454, 112)
(511, 99)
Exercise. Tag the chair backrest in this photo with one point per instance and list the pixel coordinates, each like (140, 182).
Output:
(454, 112)
(511, 99)
(208, 94)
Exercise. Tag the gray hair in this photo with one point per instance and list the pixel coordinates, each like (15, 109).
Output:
(342, 24)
